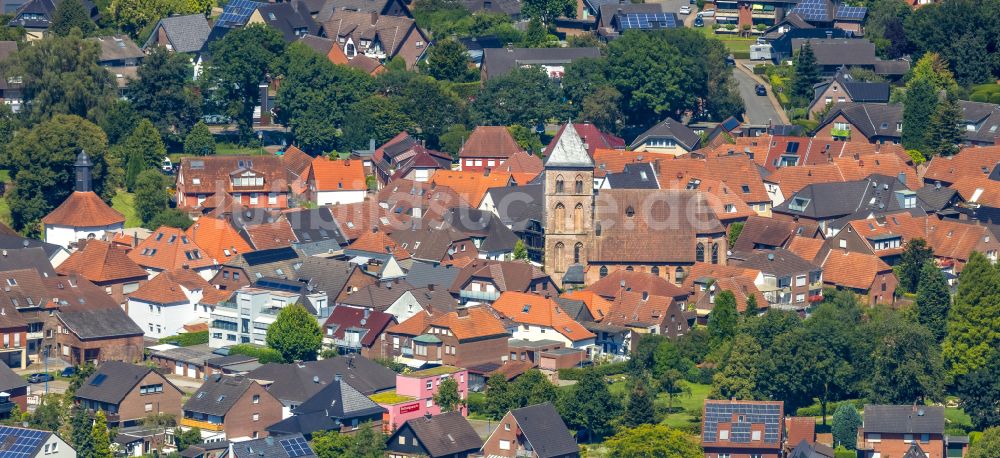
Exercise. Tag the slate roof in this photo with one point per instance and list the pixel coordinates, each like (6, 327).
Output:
(332, 406)
(508, 7)
(482, 224)
(316, 226)
(545, 430)
(870, 119)
(282, 446)
(422, 274)
(759, 231)
(218, 394)
(112, 381)
(805, 450)
(670, 128)
(937, 198)
(293, 383)
(365, 6)
(569, 150)
(839, 51)
(444, 434)
(903, 419)
(519, 205)
(9, 380)
(292, 19)
(99, 324)
(634, 176)
(83, 209)
(852, 199)
(501, 61)
(777, 261)
(508, 275)
(186, 33)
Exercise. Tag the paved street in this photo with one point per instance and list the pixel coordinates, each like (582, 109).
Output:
(759, 108)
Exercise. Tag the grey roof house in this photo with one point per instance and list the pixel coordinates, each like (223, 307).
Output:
(500, 61)
(337, 406)
(444, 435)
(285, 446)
(186, 33)
(667, 136)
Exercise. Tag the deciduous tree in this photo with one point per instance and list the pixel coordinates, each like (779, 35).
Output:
(165, 93)
(295, 334)
(70, 14)
(933, 300)
(738, 377)
(525, 96)
(150, 195)
(652, 440)
(447, 396)
(915, 254)
(979, 393)
(448, 60)
(905, 361)
(376, 117)
(548, 10)
(987, 446)
(240, 63)
(499, 398)
(199, 140)
(589, 408)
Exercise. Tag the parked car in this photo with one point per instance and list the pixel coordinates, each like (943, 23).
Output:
(699, 22)
(68, 372)
(760, 90)
(40, 377)
(707, 13)
(731, 60)
(685, 10)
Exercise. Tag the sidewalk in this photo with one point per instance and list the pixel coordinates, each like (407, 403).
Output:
(746, 66)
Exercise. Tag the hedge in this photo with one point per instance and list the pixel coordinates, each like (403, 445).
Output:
(741, 55)
(995, 98)
(816, 410)
(604, 370)
(264, 355)
(187, 339)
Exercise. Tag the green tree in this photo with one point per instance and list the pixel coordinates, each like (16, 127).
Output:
(536, 35)
(723, 318)
(295, 334)
(639, 409)
(943, 136)
(525, 96)
(915, 254)
(185, 439)
(41, 161)
(652, 441)
(150, 195)
(650, 74)
(451, 140)
(531, 388)
(146, 151)
(905, 361)
(71, 14)
(919, 105)
(520, 252)
(972, 333)
(431, 104)
(752, 308)
(979, 393)
(60, 75)
(672, 384)
(46, 415)
(134, 16)
(315, 95)
(738, 377)
(165, 93)
(846, 421)
(499, 398)
(735, 229)
(377, 117)
(548, 10)
(240, 63)
(806, 75)
(100, 440)
(589, 408)
(584, 77)
(935, 68)
(331, 444)
(933, 300)
(987, 446)
(117, 120)
(603, 109)
(526, 138)
(171, 217)
(368, 443)
(448, 60)
(447, 396)
(80, 424)
(199, 140)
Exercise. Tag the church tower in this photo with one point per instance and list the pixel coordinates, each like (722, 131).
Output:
(569, 205)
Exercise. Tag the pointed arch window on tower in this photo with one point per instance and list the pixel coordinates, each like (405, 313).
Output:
(578, 187)
(655, 271)
(715, 253)
(699, 252)
(679, 276)
(629, 211)
(578, 218)
(560, 217)
(577, 253)
(560, 257)
(560, 185)
(604, 271)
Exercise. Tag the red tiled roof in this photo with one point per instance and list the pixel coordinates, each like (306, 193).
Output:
(168, 248)
(792, 179)
(533, 309)
(338, 175)
(101, 262)
(271, 235)
(800, 429)
(968, 162)
(379, 242)
(805, 247)
(633, 308)
(598, 306)
(218, 239)
(852, 269)
(470, 323)
(978, 188)
(738, 172)
(168, 287)
(470, 185)
(491, 142)
(343, 318)
(83, 209)
(611, 285)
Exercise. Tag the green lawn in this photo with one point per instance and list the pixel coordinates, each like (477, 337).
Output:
(686, 403)
(733, 42)
(4, 206)
(124, 203)
(955, 416)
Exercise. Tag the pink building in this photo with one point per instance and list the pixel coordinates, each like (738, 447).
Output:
(414, 395)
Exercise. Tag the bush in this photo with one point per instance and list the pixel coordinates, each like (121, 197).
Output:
(741, 54)
(264, 355)
(842, 452)
(815, 410)
(995, 98)
(730, 27)
(760, 69)
(187, 339)
(604, 370)
(979, 97)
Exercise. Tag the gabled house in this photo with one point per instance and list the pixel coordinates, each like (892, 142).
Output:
(382, 7)
(446, 435)
(268, 236)
(492, 239)
(169, 248)
(484, 280)
(376, 36)
(128, 393)
(429, 299)
(352, 330)
(405, 158)
(231, 407)
(414, 395)
(246, 268)
(285, 446)
(535, 431)
(184, 34)
(864, 274)
(843, 89)
(340, 181)
(486, 148)
(501, 61)
(292, 19)
(892, 430)
(219, 240)
(252, 181)
(172, 300)
(36, 16)
(742, 428)
(667, 136)
(316, 231)
(644, 313)
(337, 406)
(520, 209)
(34, 443)
(969, 162)
(335, 53)
(107, 266)
(789, 282)
(874, 122)
(97, 335)
(534, 317)
(463, 338)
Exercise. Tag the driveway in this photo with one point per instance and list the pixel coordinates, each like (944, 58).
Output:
(760, 110)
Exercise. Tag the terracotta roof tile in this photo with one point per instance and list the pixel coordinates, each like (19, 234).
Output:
(168, 248)
(83, 209)
(968, 162)
(100, 262)
(598, 306)
(210, 174)
(508, 275)
(792, 179)
(879, 163)
(614, 160)
(337, 175)
(805, 247)
(470, 185)
(489, 141)
(413, 326)
(610, 286)
(168, 287)
(271, 235)
(637, 309)
(737, 171)
(852, 269)
(521, 162)
(379, 242)
(526, 308)
(800, 429)
(218, 239)
(980, 189)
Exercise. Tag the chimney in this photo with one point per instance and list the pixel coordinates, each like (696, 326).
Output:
(430, 287)
(338, 377)
(427, 416)
(374, 17)
(463, 312)
(315, 379)
(829, 34)
(367, 313)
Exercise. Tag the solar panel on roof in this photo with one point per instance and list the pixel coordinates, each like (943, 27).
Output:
(647, 21)
(237, 12)
(851, 12)
(813, 10)
(25, 442)
(265, 256)
(296, 446)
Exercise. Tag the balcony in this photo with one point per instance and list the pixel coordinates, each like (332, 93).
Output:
(844, 134)
(200, 424)
(480, 295)
(34, 335)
